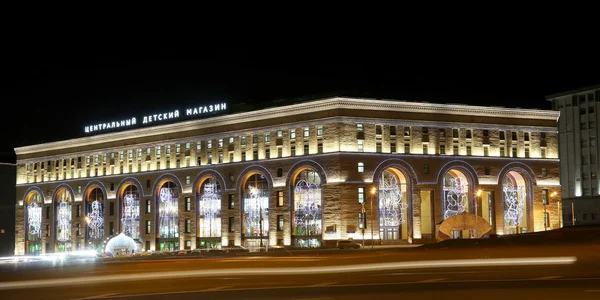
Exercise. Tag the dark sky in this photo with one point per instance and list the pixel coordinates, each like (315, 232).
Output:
(52, 94)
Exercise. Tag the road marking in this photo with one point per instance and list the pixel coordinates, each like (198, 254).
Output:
(322, 284)
(432, 280)
(97, 296)
(547, 278)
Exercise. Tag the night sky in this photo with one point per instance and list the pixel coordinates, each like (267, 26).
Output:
(51, 95)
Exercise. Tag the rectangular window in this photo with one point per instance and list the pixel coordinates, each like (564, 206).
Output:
(455, 150)
(178, 148)
(279, 198)
(406, 131)
(148, 183)
(392, 130)
(393, 147)
(243, 141)
(361, 145)
(425, 149)
(360, 128)
(544, 172)
(526, 151)
(231, 201)
(48, 212)
(279, 222)
(267, 137)
(188, 244)
(502, 137)
(514, 151)
(486, 170)
(514, 136)
(279, 133)
(148, 206)
(231, 156)
(486, 151)
(220, 143)
(292, 133)
(306, 131)
(209, 159)
(406, 147)
(305, 149)
(502, 152)
(378, 147)
(442, 148)
(231, 224)
(320, 147)
(148, 227)
(320, 130)
(267, 153)
(361, 194)
(469, 133)
(361, 167)
(468, 149)
(220, 157)
(280, 151)
(426, 169)
(279, 172)
(378, 130)
(188, 225)
(188, 204)
(455, 133)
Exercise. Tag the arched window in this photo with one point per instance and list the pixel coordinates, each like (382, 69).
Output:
(307, 209)
(209, 213)
(63, 220)
(34, 223)
(130, 211)
(514, 194)
(456, 193)
(168, 199)
(255, 218)
(95, 214)
(393, 200)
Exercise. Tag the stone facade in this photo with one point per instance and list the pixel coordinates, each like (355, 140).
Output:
(350, 144)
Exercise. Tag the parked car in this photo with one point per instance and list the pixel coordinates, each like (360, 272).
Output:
(348, 244)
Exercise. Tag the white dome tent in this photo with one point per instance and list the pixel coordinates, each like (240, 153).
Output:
(121, 245)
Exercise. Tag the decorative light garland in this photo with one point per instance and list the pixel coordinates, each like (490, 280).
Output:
(390, 201)
(96, 221)
(131, 215)
(514, 198)
(168, 213)
(209, 208)
(34, 219)
(455, 197)
(64, 222)
(256, 212)
(307, 208)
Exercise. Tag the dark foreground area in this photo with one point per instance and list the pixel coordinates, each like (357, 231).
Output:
(564, 265)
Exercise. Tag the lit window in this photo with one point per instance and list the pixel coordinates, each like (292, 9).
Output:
(361, 167)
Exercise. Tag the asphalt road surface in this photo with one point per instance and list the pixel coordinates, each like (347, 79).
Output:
(521, 272)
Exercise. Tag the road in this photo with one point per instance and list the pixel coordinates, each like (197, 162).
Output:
(524, 272)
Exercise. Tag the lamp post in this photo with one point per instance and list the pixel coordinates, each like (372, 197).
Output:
(478, 194)
(373, 190)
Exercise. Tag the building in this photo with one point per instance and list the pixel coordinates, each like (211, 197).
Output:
(7, 208)
(299, 175)
(579, 168)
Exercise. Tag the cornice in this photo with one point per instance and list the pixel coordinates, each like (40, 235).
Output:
(296, 109)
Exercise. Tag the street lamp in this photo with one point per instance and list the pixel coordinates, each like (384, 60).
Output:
(373, 191)
(478, 194)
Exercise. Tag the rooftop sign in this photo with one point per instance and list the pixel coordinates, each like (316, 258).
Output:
(170, 115)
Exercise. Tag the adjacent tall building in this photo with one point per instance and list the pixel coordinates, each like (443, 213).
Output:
(579, 152)
(301, 175)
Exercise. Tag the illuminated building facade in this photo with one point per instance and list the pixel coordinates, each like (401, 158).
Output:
(295, 175)
(578, 132)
